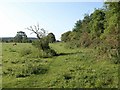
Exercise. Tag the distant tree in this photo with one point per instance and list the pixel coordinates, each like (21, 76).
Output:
(25, 39)
(20, 37)
(51, 38)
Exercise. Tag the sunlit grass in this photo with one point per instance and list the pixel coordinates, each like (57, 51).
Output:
(71, 68)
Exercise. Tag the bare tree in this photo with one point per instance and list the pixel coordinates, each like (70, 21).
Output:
(36, 29)
(42, 44)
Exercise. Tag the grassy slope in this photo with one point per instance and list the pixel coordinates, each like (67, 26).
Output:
(80, 68)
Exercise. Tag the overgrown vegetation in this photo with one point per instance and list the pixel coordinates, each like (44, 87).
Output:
(72, 68)
(99, 30)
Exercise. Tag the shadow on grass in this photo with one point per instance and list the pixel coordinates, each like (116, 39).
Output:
(62, 54)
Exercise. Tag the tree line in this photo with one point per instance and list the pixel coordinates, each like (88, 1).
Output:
(99, 30)
(21, 37)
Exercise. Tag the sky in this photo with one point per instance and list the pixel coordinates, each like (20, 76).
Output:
(55, 17)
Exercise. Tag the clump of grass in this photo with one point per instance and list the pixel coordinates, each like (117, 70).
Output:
(25, 51)
(30, 69)
(11, 50)
(36, 53)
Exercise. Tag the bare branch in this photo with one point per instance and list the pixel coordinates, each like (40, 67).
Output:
(39, 32)
(31, 33)
(37, 26)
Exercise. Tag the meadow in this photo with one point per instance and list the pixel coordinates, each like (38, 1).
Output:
(71, 68)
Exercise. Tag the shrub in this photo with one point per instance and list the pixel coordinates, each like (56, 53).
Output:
(85, 40)
(49, 53)
(114, 56)
(102, 49)
(43, 47)
(42, 44)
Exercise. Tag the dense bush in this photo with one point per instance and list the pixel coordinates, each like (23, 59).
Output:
(43, 47)
(65, 36)
(51, 38)
(41, 44)
(85, 40)
(99, 30)
(112, 54)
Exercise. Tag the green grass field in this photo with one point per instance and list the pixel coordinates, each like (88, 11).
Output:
(72, 68)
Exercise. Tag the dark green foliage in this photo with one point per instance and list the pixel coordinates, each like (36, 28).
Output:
(85, 23)
(97, 23)
(65, 36)
(51, 38)
(77, 26)
(18, 38)
(21, 37)
(43, 46)
(74, 36)
(49, 53)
